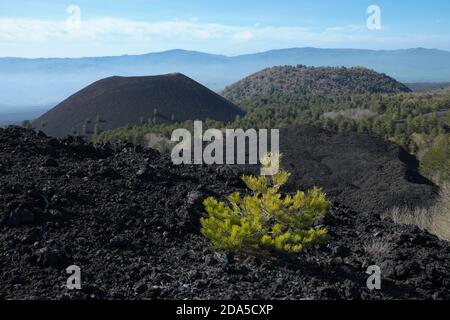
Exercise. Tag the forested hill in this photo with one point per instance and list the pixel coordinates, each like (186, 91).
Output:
(288, 80)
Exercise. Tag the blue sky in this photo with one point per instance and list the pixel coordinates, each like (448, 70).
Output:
(40, 28)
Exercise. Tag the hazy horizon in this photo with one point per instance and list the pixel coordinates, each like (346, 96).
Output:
(233, 38)
(222, 54)
(45, 82)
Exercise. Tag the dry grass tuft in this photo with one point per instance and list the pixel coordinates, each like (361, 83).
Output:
(435, 220)
(377, 248)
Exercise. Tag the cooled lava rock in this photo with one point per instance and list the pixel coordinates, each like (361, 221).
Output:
(136, 236)
(364, 172)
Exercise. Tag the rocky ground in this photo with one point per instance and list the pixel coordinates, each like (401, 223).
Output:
(366, 173)
(129, 219)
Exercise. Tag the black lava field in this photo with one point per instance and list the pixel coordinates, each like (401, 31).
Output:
(129, 219)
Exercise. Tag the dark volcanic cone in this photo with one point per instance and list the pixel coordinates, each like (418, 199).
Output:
(118, 101)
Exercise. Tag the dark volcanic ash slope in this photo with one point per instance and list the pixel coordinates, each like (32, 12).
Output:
(119, 101)
(364, 172)
(129, 219)
(290, 80)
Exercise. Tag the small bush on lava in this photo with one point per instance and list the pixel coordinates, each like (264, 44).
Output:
(265, 219)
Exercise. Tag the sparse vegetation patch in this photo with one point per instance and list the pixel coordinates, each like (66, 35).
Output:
(265, 219)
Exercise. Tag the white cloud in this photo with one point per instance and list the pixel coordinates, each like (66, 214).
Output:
(38, 30)
(243, 35)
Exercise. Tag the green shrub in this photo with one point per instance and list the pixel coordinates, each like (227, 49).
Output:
(265, 219)
(435, 164)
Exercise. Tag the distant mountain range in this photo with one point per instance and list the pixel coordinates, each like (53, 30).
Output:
(49, 81)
